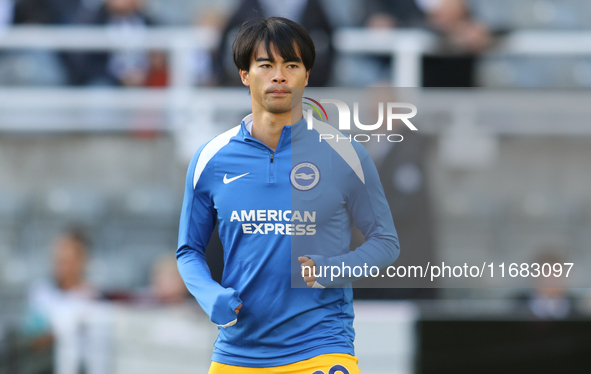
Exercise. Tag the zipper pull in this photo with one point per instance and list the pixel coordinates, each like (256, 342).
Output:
(272, 156)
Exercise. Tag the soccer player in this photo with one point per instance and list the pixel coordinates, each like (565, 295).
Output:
(282, 200)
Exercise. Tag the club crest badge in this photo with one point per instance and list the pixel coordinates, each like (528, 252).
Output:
(304, 176)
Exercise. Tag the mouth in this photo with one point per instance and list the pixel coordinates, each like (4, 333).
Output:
(279, 93)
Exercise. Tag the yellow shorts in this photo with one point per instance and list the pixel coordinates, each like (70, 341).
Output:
(333, 363)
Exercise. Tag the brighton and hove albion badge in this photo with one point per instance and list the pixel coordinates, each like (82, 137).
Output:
(304, 176)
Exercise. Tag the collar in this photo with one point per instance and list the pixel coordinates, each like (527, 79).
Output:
(286, 132)
(247, 122)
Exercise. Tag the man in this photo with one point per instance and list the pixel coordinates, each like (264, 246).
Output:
(280, 196)
(464, 37)
(63, 312)
(310, 14)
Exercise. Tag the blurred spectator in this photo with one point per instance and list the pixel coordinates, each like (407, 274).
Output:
(452, 18)
(550, 298)
(166, 285)
(308, 13)
(129, 66)
(68, 282)
(386, 14)
(157, 74)
(61, 312)
(463, 36)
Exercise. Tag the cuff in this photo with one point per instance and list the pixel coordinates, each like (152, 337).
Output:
(223, 313)
(232, 323)
(317, 285)
(320, 261)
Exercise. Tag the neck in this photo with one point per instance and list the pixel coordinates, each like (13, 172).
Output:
(267, 126)
(70, 283)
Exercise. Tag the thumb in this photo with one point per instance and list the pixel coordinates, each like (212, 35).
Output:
(303, 259)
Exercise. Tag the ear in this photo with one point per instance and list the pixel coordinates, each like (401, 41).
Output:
(307, 77)
(245, 78)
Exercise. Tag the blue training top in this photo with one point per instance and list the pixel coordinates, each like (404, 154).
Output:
(271, 207)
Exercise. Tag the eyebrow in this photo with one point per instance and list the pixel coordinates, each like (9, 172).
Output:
(261, 59)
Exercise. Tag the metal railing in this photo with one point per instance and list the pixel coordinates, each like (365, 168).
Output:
(406, 46)
(174, 102)
(178, 42)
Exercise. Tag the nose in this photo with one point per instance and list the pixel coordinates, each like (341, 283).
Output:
(279, 76)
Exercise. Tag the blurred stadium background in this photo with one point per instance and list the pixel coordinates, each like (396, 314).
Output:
(103, 102)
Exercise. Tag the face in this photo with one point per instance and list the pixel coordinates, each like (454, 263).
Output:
(69, 261)
(123, 6)
(271, 78)
(167, 283)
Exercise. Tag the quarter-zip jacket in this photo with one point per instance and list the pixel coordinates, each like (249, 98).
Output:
(271, 207)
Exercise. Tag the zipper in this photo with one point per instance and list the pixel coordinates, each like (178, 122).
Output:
(272, 168)
(272, 165)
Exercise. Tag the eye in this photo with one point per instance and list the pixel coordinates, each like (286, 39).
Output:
(293, 66)
(266, 66)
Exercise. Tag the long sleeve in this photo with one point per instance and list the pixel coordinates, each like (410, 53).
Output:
(369, 209)
(198, 218)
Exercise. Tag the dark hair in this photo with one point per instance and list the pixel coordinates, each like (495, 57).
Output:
(288, 39)
(78, 234)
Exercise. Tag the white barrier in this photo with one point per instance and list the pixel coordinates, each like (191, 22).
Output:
(406, 46)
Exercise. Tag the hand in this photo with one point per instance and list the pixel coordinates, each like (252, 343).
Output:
(309, 264)
(237, 310)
